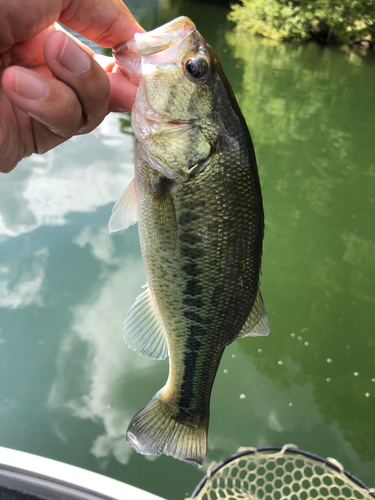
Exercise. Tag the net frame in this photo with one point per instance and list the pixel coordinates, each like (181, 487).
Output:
(242, 452)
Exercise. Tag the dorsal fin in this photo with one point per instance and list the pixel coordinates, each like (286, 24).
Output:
(143, 330)
(124, 213)
(257, 322)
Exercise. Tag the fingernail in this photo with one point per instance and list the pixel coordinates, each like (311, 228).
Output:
(73, 58)
(29, 86)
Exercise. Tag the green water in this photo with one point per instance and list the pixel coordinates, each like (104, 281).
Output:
(69, 385)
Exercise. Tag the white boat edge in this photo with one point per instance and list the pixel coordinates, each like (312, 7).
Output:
(38, 468)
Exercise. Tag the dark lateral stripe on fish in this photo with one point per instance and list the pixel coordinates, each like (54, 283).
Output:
(193, 300)
(190, 268)
(193, 253)
(193, 287)
(187, 218)
(190, 238)
(187, 399)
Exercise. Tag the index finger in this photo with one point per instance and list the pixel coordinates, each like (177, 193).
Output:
(107, 23)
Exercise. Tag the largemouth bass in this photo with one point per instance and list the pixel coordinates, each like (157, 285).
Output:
(197, 199)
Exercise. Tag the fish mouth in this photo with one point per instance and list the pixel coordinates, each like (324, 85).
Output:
(159, 47)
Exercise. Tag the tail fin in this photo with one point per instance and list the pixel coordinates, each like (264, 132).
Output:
(158, 428)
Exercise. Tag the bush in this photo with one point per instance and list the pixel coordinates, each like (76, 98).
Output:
(344, 21)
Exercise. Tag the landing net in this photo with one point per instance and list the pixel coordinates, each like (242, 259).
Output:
(280, 473)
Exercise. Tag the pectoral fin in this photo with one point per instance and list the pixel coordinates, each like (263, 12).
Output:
(257, 322)
(143, 331)
(124, 213)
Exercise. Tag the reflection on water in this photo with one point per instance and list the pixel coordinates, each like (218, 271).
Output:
(68, 383)
(21, 287)
(43, 190)
(100, 390)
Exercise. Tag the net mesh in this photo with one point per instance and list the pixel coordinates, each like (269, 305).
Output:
(282, 475)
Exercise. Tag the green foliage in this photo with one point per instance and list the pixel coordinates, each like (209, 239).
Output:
(344, 21)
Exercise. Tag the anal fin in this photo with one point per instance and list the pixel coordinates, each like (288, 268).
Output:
(143, 330)
(257, 323)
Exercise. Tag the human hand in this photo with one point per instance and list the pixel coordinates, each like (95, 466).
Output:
(52, 88)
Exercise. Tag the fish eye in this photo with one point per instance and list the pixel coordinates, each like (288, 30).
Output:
(196, 67)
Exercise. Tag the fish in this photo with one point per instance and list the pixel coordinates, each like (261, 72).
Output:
(197, 199)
